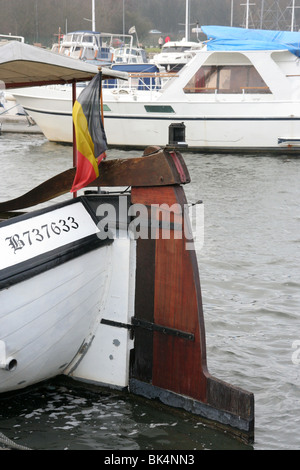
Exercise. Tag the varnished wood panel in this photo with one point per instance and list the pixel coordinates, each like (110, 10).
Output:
(176, 373)
(178, 364)
(144, 309)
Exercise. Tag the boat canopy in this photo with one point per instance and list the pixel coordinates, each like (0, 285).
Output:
(23, 65)
(224, 38)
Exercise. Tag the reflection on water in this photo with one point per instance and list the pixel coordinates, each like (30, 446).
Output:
(60, 417)
(250, 277)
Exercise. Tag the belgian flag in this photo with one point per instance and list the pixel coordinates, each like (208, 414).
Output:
(91, 141)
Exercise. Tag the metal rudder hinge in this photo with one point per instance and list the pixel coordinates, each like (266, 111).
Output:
(136, 323)
(117, 324)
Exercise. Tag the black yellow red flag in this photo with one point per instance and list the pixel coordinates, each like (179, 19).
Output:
(91, 140)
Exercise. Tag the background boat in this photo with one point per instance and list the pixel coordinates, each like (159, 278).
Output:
(238, 94)
(175, 54)
(100, 48)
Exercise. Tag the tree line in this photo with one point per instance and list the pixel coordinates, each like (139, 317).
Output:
(39, 20)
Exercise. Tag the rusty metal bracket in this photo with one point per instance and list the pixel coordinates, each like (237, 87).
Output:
(137, 323)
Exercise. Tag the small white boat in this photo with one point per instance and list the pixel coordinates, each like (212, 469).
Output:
(100, 48)
(86, 45)
(234, 95)
(12, 115)
(104, 288)
(175, 54)
(13, 118)
(130, 55)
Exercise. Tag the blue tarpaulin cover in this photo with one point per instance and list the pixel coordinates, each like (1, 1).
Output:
(224, 38)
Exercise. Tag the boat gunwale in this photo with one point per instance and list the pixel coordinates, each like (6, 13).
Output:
(55, 257)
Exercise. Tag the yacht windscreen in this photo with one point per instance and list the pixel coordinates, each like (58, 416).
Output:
(227, 79)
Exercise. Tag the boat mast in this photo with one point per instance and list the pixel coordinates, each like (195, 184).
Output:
(93, 20)
(248, 12)
(187, 20)
(272, 15)
(293, 16)
(247, 15)
(262, 13)
(93, 16)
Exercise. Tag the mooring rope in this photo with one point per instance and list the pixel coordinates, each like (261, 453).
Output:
(11, 444)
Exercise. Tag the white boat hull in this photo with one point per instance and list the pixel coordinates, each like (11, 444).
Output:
(48, 308)
(43, 332)
(259, 126)
(105, 289)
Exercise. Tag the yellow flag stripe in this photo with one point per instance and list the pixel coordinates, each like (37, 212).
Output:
(84, 141)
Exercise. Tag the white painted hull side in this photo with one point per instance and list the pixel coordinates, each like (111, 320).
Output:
(46, 319)
(52, 108)
(64, 284)
(244, 118)
(107, 360)
(265, 126)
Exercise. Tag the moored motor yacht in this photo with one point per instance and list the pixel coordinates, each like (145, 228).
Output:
(175, 54)
(234, 95)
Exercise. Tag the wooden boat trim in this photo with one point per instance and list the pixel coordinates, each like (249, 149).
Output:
(170, 367)
(158, 168)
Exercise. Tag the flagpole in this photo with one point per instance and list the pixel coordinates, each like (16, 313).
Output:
(102, 111)
(74, 135)
(247, 15)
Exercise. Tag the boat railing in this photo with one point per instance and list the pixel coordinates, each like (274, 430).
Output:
(9, 37)
(141, 81)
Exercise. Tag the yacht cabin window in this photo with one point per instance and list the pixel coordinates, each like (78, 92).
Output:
(176, 48)
(227, 79)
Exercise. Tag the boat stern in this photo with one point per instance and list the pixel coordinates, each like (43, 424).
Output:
(150, 338)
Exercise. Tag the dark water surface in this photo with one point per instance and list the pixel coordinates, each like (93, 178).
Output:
(250, 276)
